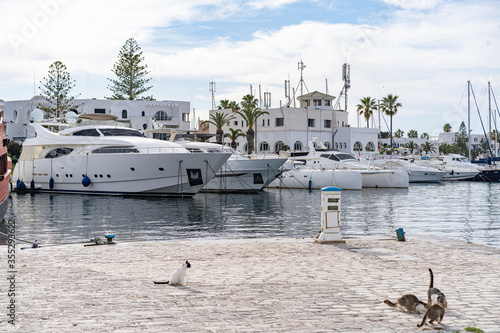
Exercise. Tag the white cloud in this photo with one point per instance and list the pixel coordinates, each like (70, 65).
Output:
(425, 57)
(414, 4)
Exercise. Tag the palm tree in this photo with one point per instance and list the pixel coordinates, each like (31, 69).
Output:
(234, 135)
(428, 147)
(219, 120)
(226, 104)
(424, 136)
(390, 107)
(413, 134)
(250, 112)
(399, 133)
(366, 108)
(447, 128)
(411, 146)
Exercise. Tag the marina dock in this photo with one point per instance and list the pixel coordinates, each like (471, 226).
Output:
(253, 285)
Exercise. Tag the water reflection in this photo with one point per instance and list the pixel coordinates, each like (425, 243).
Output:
(464, 210)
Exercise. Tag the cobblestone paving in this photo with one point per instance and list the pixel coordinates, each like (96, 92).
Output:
(262, 285)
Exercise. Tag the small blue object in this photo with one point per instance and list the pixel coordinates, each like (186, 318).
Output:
(86, 181)
(21, 186)
(331, 188)
(51, 183)
(32, 185)
(110, 238)
(401, 234)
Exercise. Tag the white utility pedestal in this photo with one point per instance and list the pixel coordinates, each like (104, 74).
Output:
(330, 216)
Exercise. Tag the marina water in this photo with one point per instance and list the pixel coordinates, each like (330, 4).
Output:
(464, 210)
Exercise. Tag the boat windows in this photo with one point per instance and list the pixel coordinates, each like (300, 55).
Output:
(345, 156)
(120, 132)
(58, 152)
(330, 157)
(116, 150)
(87, 132)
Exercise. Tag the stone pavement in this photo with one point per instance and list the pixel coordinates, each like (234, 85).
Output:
(252, 285)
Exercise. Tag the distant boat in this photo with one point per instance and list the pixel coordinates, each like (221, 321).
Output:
(302, 177)
(5, 168)
(320, 157)
(107, 159)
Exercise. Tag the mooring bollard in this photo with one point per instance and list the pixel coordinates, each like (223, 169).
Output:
(401, 234)
(330, 216)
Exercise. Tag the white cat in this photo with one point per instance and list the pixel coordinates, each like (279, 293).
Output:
(179, 276)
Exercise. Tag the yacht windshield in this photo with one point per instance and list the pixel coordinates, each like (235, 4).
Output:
(120, 132)
(344, 156)
(87, 132)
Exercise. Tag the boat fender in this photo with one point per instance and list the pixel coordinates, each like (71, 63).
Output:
(51, 183)
(20, 185)
(86, 181)
(32, 185)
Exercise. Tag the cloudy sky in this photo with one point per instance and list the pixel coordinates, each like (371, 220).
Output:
(424, 51)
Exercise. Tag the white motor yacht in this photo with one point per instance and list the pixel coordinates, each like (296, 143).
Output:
(302, 177)
(241, 173)
(320, 157)
(417, 173)
(111, 160)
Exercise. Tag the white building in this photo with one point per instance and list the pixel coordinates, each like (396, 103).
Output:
(139, 114)
(296, 126)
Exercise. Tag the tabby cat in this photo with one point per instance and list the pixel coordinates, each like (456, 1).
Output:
(434, 295)
(408, 303)
(435, 312)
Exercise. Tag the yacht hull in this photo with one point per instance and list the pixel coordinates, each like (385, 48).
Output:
(417, 176)
(385, 178)
(319, 178)
(245, 175)
(182, 174)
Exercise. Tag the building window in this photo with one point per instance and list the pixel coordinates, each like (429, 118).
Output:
(328, 123)
(268, 122)
(337, 145)
(310, 122)
(358, 146)
(236, 123)
(143, 114)
(264, 146)
(297, 145)
(278, 146)
(316, 102)
(370, 146)
(327, 144)
(263, 122)
(328, 102)
(162, 116)
(185, 117)
(280, 122)
(99, 110)
(160, 136)
(145, 126)
(124, 114)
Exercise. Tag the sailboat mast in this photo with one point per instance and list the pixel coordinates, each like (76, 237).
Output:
(468, 121)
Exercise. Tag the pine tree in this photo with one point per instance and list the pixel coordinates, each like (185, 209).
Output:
(56, 90)
(130, 72)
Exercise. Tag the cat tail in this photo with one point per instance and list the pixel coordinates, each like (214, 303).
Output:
(431, 285)
(393, 305)
(161, 282)
(423, 319)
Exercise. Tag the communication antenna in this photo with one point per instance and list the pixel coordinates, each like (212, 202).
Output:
(267, 100)
(212, 90)
(302, 83)
(346, 77)
(287, 92)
